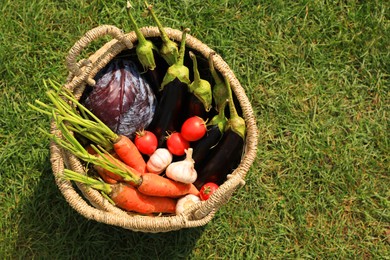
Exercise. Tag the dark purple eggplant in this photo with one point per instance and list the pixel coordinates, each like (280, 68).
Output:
(168, 110)
(122, 98)
(169, 50)
(173, 89)
(226, 156)
(203, 147)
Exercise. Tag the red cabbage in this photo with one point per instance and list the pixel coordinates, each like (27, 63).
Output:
(122, 98)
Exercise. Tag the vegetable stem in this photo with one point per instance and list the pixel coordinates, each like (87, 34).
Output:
(199, 87)
(145, 47)
(219, 90)
(220, 119)
(235, 122)
(96, 184)
(180, 60)
(168, 50)
(178, 70)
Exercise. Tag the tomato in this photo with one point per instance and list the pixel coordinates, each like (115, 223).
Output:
(207, 189)
(176, 144)
(193, 129)
(146, 142)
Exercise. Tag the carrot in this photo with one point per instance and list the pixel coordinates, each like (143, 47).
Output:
(125, 196)
(156, 185)
(106, 175)
(90, 150)
(193, 190)
(131, 175)
(128, 198)
(129, 154)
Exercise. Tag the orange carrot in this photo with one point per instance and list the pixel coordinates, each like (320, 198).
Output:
(90, 150)
(128, 198)
(106, 175)
(133, 174)
(193, 190)
(129, 154)
(156, 185)
(125, 196)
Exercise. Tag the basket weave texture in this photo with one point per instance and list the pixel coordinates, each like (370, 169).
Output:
(91, 204)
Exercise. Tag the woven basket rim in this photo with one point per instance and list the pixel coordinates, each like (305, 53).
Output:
(93, 205)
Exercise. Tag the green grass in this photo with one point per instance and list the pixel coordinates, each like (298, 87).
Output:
(317, 74)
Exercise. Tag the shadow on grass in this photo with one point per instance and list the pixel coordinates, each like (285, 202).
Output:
(50, 228)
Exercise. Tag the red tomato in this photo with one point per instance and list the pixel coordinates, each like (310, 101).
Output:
(207, 189)
(146, 142)
(177, 144)
(193, 128)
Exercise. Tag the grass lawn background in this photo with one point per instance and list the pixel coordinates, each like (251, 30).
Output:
(317, 75)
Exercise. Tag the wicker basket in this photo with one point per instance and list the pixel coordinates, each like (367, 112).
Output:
(92, 204)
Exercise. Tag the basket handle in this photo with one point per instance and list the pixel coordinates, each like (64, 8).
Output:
(74, 67)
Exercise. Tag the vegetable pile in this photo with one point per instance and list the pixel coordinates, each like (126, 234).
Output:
(154, 138)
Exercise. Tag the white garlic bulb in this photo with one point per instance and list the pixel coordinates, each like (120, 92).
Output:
(159, 161)
(186, 202)
(183, 171)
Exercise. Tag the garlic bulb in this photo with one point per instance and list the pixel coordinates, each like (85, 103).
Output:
(186, 202)
(183, 171)
(159, 161)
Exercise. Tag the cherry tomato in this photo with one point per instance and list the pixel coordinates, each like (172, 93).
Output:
(207, 189)
(193, 128)
(146, 142)
(177, 144)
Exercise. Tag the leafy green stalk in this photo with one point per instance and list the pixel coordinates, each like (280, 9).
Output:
(79, 119)
(104, 160)
(96, 184)
(116, 166)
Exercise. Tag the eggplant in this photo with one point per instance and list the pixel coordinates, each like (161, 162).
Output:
(227, 154)
(173, 89)
(203, 147)
(168, 110)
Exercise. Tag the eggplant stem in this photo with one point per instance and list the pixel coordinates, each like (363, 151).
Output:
(168, 50)
(182, 47)
(140, 36)
(214, 73)
(163, 34)
(236, 123)
(195, 67)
